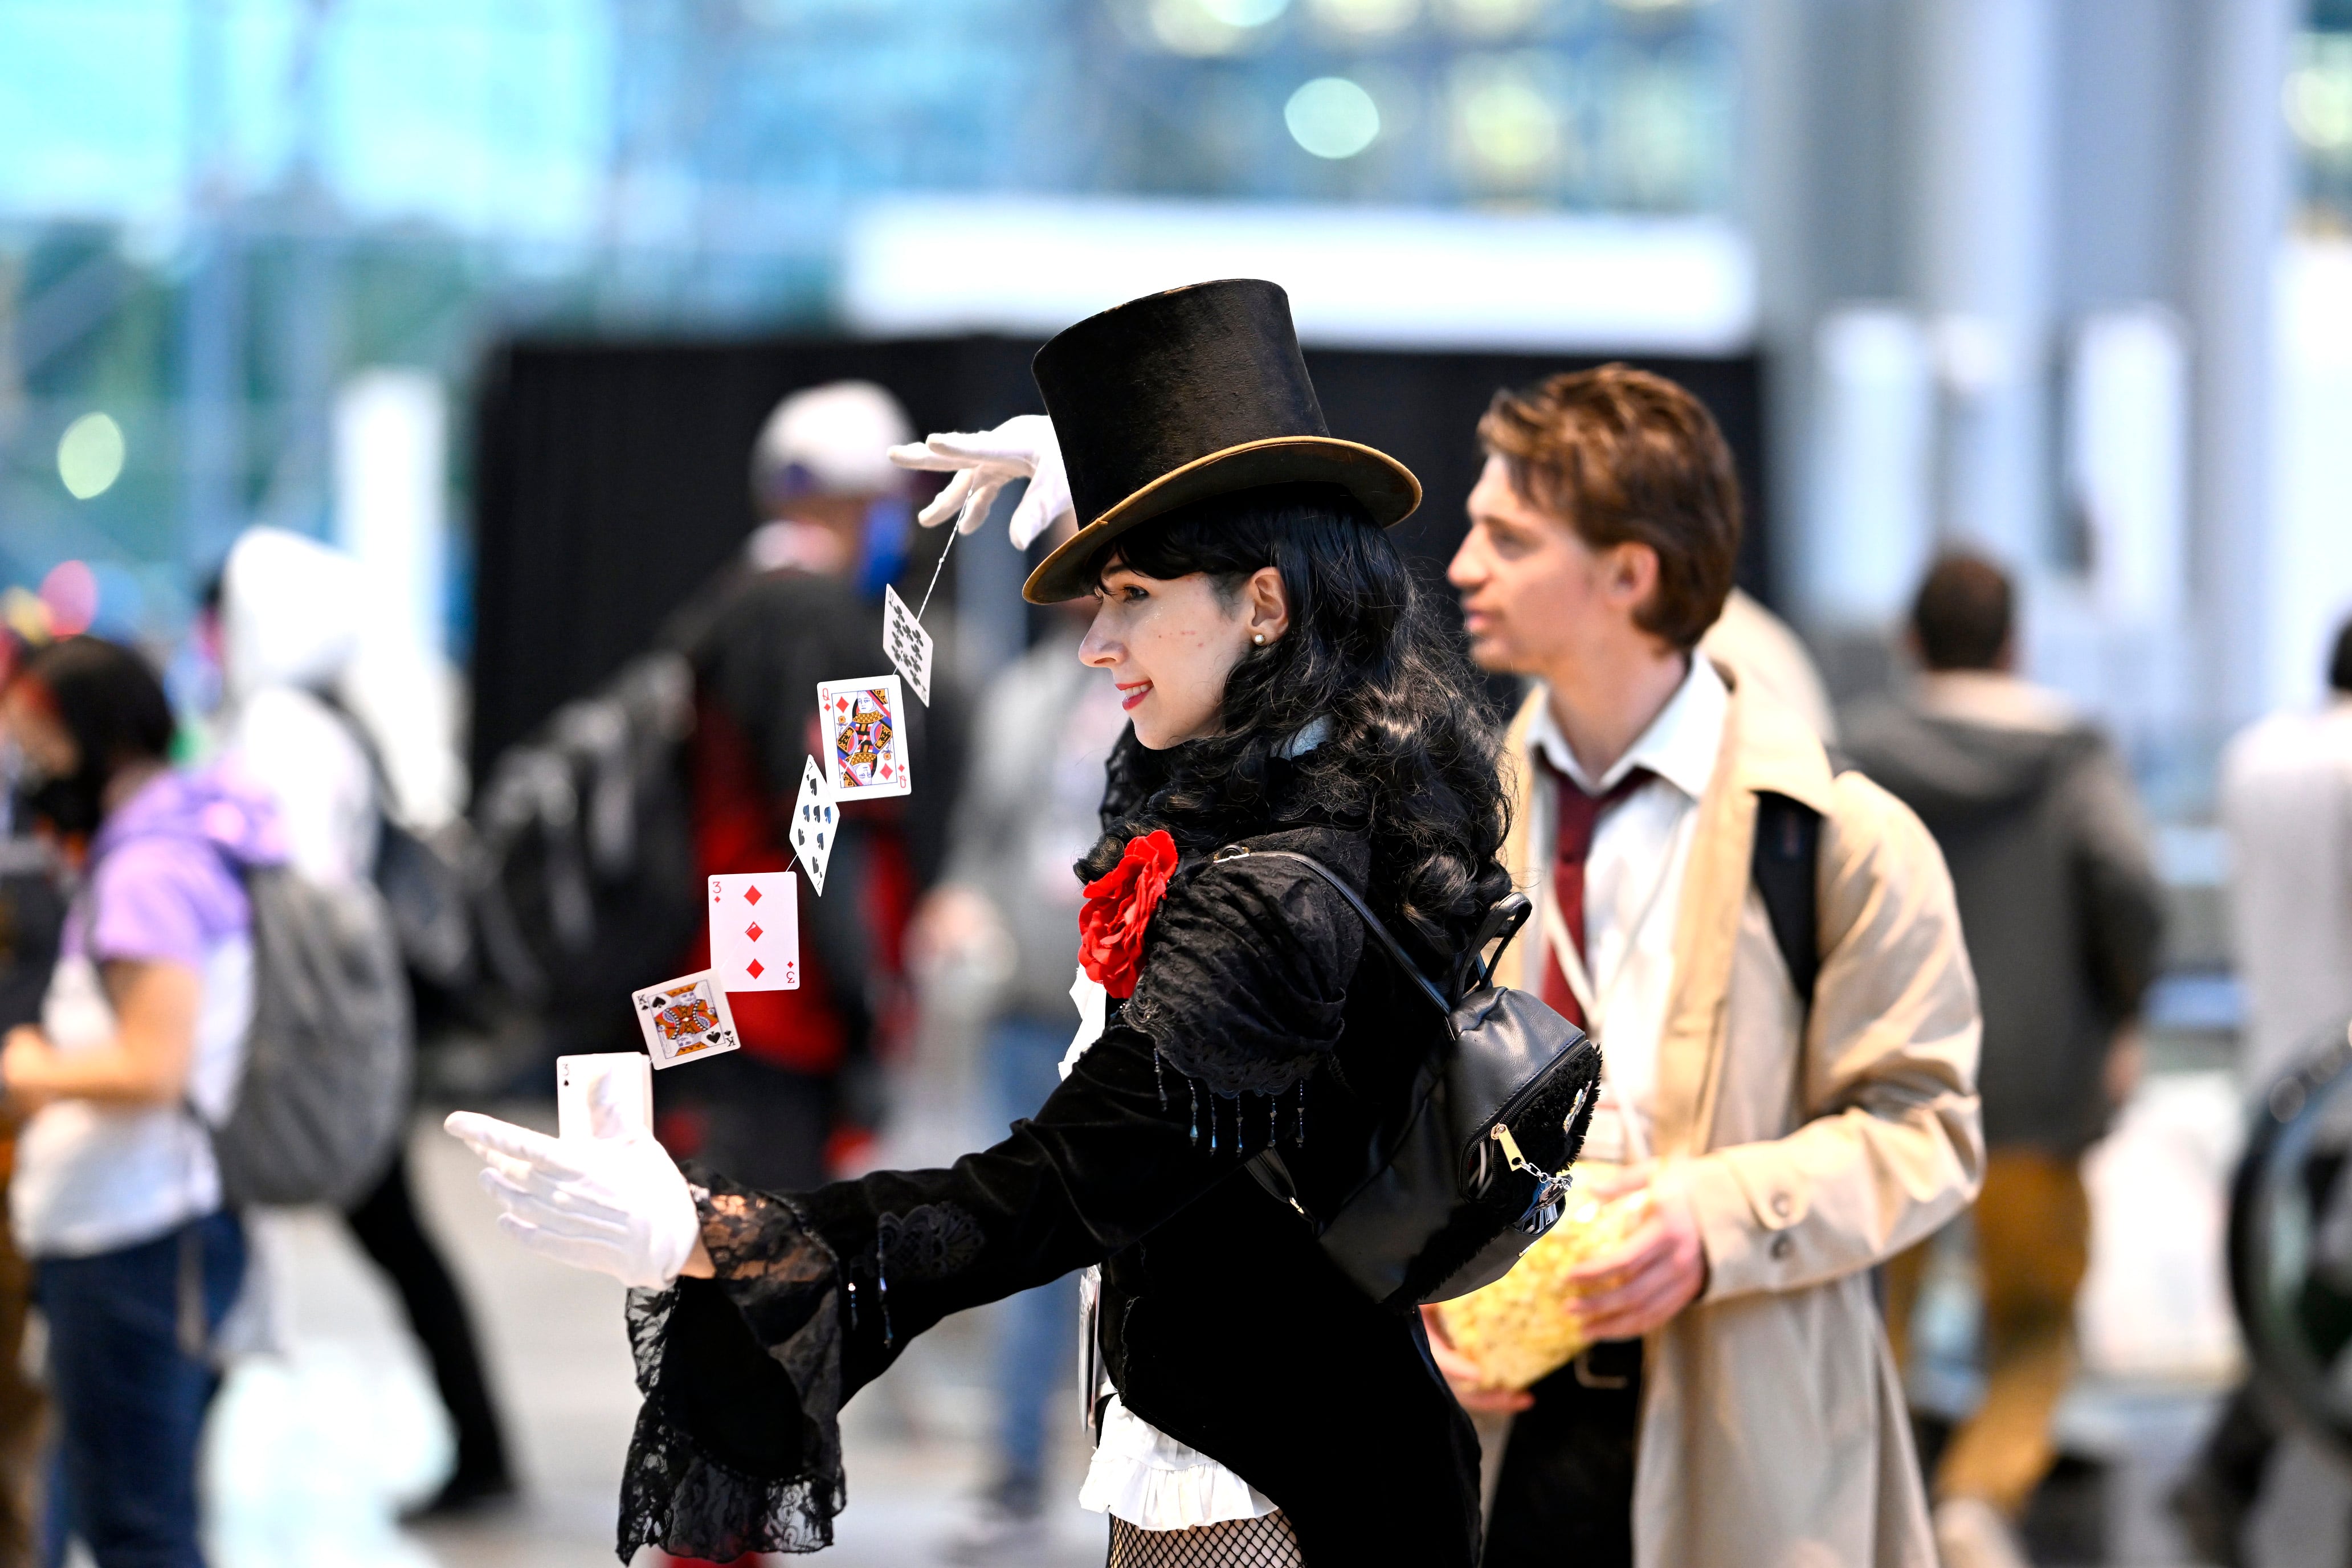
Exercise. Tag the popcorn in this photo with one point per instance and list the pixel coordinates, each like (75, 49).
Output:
(1524, 1326)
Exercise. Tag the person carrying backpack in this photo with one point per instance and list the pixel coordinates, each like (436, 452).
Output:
(117, 1194)
(1291, 697)
(1791, 1081)
(288, 642)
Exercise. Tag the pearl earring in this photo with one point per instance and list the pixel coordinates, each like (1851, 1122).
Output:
(1258, 638)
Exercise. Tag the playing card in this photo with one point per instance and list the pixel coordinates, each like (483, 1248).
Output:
(755, 930)
(813, 820)
(620, 1081)
(864, 737)
(907, 643)
(684, 1018)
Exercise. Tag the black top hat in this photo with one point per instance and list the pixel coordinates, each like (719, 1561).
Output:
(1176, 398)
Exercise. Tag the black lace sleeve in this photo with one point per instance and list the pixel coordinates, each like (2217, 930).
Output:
(738, 1446)
(1245, 971)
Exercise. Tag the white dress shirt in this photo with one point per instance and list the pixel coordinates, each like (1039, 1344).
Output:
(1633, 892)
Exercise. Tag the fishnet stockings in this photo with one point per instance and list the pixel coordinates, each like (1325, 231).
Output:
(1267, 1543)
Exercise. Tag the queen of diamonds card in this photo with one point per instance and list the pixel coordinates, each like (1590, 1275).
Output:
(864, 737)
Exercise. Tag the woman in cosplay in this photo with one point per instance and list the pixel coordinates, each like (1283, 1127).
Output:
(1287, 691)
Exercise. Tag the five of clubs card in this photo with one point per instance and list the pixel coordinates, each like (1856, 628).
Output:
(907, 643)
(755, 930)
(685, 1018)
(864, 723)
(815, 818)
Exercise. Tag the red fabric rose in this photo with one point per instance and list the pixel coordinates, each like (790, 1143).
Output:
(1118, 906)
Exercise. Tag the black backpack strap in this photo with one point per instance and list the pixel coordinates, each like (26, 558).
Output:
(1788, 852)
(1372, 922)
(1786, 868)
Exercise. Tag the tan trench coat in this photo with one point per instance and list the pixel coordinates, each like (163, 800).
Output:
(1773, 1432)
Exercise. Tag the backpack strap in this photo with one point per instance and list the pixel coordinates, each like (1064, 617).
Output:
(1372, 922)
(1788, 853)
(1786, 868)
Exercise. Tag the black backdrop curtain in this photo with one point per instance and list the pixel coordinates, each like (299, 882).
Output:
(612, 479)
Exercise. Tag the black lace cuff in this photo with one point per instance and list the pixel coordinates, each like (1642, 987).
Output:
(738, 1446)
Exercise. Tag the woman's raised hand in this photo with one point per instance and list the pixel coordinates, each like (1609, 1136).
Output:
(616, 1206)
(983, 463)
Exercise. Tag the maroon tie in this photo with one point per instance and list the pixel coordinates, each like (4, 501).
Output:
(1578, 817)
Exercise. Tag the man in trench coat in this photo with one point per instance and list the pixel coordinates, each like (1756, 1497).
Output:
(1742, 1410)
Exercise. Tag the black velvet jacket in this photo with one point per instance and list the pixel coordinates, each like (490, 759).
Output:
(1260, 1011)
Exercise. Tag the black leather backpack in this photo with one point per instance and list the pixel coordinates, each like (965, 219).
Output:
(1476, 1166)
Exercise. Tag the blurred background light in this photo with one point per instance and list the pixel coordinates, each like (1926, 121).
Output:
(90, 455)
(2318, 93)
(1509, 133)
(1489, 18)
(1208, 28)
(1332, 117)
(1245, 12)
(69, 595)
(1365, 18)
(24, 614)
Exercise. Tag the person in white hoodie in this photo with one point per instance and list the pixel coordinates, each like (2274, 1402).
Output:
(289, 629)
(290, 618)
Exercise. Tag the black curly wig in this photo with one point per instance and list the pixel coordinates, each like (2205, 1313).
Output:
(1413, 753)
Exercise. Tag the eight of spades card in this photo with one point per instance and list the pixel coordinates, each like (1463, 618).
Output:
(755, 930)
(685, 1018)
(864, 728)
(907, 643)
(813, 820)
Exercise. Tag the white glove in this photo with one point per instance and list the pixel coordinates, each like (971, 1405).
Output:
(983, 463)
(614, 1204)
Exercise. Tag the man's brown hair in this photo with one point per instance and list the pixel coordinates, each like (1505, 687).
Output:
(1963, 613)
(1622, 455)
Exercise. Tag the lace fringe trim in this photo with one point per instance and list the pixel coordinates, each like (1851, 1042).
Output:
(678, 1499)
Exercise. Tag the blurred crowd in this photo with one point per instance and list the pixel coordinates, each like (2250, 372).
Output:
(194, 904)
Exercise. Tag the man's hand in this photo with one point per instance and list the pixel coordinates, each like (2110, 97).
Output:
(1659, 1271)
(1462, 1374)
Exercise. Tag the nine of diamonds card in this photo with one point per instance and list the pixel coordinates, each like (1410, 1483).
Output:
(813, 821)
(864, 737)
(755, 930)
(685, 1018)
(907, 643)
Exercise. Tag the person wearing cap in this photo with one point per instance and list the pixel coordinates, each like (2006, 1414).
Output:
(802, 1097)
(1287, 688)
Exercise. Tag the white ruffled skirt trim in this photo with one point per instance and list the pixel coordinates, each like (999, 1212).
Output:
(1145, 1477)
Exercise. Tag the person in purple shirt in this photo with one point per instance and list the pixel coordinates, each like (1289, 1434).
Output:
(116, 1195)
